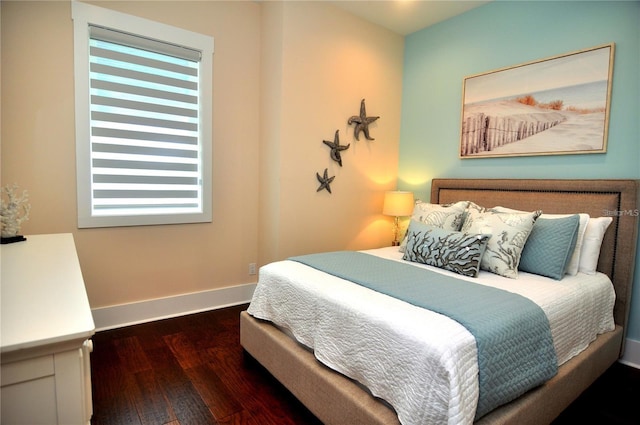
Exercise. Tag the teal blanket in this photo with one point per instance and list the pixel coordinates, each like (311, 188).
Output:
(515, 348)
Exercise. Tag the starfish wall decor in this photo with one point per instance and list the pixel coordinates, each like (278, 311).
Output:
(336, 148)
(325, 181)
(362, 122)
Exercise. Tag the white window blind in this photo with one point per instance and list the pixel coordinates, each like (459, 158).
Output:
(144, 128)
(146, 147)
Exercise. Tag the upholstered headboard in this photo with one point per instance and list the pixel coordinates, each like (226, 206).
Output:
(615, 198)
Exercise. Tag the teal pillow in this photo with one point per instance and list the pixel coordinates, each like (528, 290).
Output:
(446, 249)
(550, 246)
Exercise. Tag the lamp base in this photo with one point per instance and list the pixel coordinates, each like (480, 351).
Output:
(395, 243)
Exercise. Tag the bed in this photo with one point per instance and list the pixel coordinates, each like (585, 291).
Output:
(336, 399)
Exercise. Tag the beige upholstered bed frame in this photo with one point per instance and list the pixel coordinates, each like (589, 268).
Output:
(338, 400)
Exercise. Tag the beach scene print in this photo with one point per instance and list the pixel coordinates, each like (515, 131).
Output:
(553, 106)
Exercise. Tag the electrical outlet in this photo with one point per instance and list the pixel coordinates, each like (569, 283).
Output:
(252, 268)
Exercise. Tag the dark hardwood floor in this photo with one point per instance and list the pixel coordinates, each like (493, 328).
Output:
(192, 370)
(189, 370)
(611, 400)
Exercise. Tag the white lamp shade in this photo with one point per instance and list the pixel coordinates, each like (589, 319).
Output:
(398, 203)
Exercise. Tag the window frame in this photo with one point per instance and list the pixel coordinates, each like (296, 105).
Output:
(85, 15)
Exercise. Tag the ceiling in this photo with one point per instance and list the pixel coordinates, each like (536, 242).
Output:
(407, 16)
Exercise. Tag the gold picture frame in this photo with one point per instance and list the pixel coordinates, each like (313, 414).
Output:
(553, 106)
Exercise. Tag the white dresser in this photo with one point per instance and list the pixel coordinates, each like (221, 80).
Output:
(46, 324)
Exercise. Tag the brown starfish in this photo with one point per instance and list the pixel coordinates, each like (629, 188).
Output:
(325, 181)
(336, 147)
(362, 122)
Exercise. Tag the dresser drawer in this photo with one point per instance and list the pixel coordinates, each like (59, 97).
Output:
(27, 370)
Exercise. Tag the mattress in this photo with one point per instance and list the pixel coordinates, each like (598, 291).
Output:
(422, 363)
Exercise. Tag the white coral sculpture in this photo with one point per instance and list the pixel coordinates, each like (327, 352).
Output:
(14, 211)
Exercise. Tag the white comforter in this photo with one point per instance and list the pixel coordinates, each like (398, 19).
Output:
(422, 363)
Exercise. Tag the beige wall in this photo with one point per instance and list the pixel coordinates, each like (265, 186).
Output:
(286, 76)
(327, 61)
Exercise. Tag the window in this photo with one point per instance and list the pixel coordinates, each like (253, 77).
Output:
(143, 120)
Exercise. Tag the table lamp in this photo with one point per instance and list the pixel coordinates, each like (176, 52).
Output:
(397, 204)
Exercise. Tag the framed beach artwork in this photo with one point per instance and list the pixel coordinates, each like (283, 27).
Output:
(553, 106)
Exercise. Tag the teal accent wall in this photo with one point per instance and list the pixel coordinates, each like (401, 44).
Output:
(498, 35)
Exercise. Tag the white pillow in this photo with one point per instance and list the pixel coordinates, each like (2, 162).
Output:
(590, 252)
(445, 216)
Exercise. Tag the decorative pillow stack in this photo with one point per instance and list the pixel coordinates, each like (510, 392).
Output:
(447, 249)
(464, 237)
(509, 232)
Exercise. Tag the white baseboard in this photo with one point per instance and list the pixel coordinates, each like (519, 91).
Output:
(631, 356)
(163, 308)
